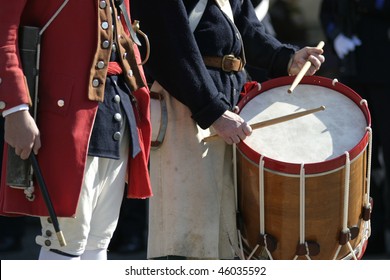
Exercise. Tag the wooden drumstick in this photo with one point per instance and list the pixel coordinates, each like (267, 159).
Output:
(303, 71)
(273, 121)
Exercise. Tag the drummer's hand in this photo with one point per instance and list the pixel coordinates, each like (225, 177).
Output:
(312, 54)
(21, 133)
(232, 128)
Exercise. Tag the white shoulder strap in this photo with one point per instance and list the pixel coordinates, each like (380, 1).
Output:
(197, 12)
(226, 8)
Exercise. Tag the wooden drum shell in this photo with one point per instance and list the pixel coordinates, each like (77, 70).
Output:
(324, 181)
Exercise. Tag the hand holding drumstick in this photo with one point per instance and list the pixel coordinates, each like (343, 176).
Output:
(306, 61)
(232, 128)
(274, 121)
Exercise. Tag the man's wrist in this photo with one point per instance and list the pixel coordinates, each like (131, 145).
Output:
(22, 107)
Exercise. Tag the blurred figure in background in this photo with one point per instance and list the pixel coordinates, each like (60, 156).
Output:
(262, 13)
(289, 22)
(359, 32)
(282, 19)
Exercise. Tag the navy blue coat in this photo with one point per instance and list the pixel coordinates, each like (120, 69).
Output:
(176, 53)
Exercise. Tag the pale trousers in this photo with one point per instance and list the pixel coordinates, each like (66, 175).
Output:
(98, 207)
(192, 212)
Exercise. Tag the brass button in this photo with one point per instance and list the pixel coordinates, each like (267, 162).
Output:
(47, 242)
(48, 233)
(49, 220)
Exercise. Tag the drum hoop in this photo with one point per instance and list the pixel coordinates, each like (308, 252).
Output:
(310, 168)
(297, 175)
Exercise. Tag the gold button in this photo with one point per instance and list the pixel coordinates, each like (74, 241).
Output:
(48, 233)
(47, 243)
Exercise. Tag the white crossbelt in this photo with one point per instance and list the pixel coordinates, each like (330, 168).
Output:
(196, 14)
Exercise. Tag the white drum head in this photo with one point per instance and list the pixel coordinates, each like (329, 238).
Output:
(313, 138)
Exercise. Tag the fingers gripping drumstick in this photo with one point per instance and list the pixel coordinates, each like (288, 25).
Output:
(303, 71)
(274, 121)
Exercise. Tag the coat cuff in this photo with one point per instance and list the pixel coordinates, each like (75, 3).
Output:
(206, 117)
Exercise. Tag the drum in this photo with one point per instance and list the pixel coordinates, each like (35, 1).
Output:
(303, 184)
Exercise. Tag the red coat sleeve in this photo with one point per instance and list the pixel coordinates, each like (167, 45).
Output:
(13, 86)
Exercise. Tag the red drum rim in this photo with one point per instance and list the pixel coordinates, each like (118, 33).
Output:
(310, 168)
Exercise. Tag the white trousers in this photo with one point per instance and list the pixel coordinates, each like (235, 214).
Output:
(98, 207)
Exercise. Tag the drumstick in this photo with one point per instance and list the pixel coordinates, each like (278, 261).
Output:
(303, 71)
(273, 121)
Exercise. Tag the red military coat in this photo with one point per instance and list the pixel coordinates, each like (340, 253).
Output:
(68, 98)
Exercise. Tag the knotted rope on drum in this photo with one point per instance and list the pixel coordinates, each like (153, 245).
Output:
(302, 211)
(261, 212)
(263, 237)
(369, 159)
(345, 230)
(367, 204)
(261, 195)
